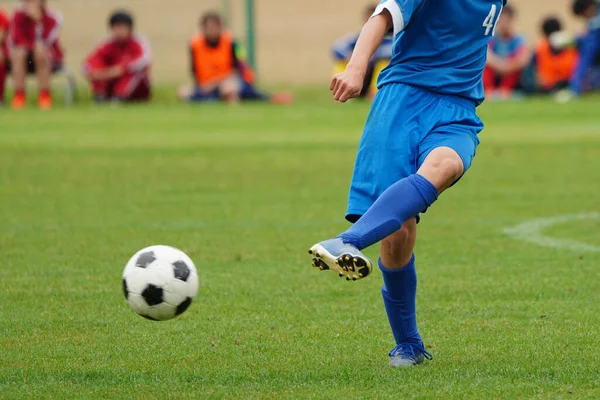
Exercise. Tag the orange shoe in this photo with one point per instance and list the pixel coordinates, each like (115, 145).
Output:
(45, 101)
(18, 102)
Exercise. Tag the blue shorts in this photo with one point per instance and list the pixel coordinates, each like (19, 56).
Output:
(405, 124)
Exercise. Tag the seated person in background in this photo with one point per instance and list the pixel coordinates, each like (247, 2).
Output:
(34, 48)
(4, 21)
(218, 70)
(555, 57)
(508, 56)
(342, 51)
(587, 74)
(119, 67)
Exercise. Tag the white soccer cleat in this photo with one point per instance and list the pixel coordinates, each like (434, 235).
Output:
(347, 260)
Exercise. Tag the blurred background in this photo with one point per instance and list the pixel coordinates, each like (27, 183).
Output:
(293, 39)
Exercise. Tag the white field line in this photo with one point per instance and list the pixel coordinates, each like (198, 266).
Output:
(532, 232)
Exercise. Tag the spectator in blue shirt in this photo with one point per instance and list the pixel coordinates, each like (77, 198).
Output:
(587, 74)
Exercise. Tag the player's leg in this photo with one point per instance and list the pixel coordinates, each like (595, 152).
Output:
(444, 155)
(142, 92)
(406, 198)
(230, 88)
(18, 61)
(397, 265)
(99, 90)
(132, 87)
(442, 168)
(43, 70)
(3, 73)
(402, 201)
(508, 83)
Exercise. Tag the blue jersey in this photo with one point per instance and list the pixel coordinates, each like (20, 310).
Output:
(441, 45)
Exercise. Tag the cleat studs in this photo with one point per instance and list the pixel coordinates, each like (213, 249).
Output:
(341, 275)
(310, 252)
(321, 268)
(314, 265)
(354, 278)
(347, 259)
(360, 275)
(347, 278)
(318, 255)
(355, 260)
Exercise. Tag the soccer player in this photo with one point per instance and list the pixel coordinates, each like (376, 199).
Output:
(4, 22)
(219, 72)
(587, 73)
(342, 51)
(419, 139)
(34, 48)
(119, 67)
(509, 56)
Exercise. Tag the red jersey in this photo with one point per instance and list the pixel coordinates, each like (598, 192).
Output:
(24, 31)
(4, 22)
(134, 55)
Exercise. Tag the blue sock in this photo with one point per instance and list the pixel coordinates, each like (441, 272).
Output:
(402, 201)
(400, 300)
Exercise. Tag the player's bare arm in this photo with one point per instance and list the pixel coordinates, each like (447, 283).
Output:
(349, 83)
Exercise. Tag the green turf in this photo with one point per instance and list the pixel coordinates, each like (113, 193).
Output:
(245, 191)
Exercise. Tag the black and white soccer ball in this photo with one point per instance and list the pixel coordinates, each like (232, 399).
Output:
(160, 282)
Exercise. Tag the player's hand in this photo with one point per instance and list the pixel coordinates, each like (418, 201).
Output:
(97, 75)
(115, 72)
(347, 85)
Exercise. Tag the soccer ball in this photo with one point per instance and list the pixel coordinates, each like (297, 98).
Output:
(160, 282)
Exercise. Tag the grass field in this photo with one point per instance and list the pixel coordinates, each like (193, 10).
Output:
(245, 191)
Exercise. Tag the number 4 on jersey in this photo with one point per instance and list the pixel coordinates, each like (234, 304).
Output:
(490, 21)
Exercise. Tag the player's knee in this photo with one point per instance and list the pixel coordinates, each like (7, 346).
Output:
(397, 249)
(451, 167)
(41, 55)
(443, 170)
(18, 54)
